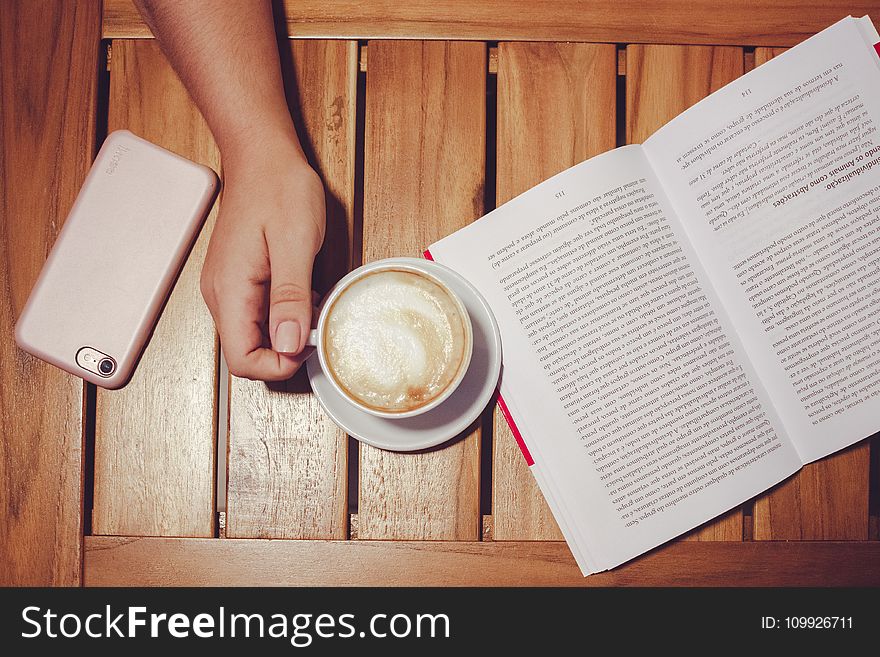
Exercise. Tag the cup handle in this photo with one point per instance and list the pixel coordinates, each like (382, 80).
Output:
(312, 340)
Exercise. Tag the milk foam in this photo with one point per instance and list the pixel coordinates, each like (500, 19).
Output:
(394, 340)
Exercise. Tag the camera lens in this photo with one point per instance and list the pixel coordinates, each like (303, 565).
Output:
(106, 366)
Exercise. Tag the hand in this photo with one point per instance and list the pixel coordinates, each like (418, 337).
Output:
(257, 276)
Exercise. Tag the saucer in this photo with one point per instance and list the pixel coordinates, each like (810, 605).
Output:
(451, 417)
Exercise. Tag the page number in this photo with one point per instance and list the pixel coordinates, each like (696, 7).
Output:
(560, 193)
(746, 92)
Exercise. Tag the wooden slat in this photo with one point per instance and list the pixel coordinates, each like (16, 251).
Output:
(766, 23)
(874, 490)
(120, 561)
(424, 160)
(155, 438)
(662, 82)
(556, 107)
(47, 139)
(287, 468)
(827, 499)
(763, 55)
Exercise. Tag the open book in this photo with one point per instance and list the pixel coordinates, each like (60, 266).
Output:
(688, 321)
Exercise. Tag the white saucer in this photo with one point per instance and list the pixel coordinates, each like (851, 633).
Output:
(452, 416)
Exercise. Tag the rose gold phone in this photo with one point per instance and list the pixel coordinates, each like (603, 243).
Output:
(123, 244)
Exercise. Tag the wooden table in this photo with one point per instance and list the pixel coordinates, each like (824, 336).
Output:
(420, 117)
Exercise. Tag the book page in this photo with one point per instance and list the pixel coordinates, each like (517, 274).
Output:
(777, 180)
(623, 376)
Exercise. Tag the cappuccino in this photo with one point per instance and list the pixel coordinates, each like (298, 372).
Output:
(395, 340)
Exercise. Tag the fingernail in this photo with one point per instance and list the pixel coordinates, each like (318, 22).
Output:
(287, 337)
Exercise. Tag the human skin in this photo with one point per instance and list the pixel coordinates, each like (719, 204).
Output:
(257, 275)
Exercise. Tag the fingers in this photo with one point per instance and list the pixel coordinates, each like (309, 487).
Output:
(239, 309)
(290, 293)
(257, 275)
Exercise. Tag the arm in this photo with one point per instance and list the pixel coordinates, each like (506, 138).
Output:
(256, 279)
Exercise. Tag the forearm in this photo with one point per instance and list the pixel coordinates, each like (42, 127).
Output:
(257, 276)
(227, 57)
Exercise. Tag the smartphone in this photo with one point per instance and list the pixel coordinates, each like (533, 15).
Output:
(119, 252)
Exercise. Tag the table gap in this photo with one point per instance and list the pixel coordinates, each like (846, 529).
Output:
(486, 463)
(357, 256)
(90, 405)
(357, 246)
(88, 494)
(221, 442)
(489, 204)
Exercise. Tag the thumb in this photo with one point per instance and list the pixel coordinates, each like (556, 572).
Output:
(290, 300)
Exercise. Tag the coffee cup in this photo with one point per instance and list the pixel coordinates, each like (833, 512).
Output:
(393, 339)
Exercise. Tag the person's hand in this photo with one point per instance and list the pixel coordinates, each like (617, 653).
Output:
(257, 276)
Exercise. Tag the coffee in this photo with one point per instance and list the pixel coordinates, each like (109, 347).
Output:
(394, 340)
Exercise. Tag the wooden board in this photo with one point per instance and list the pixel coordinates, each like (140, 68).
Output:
(47, 140)
(155, 438)
(768, 23)
(662, 82)
(120, 561)
(827, 499)
(287, 466)
(424, 160)
(535, 140)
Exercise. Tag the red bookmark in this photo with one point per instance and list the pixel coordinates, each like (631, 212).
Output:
(516, 434)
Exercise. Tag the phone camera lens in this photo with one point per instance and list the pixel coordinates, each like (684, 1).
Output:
(106, 366)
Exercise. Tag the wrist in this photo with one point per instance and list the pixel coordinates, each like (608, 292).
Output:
(259, 147)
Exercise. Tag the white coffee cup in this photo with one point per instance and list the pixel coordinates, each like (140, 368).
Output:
(427, 293)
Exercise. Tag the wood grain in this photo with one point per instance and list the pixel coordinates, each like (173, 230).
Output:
(121, 561)
(287, 464)
(556, 107)
(424, 160)
(763, 55)
(48, 83)
(827, 499)
(662, 82)
(766, 23)
(155, 438)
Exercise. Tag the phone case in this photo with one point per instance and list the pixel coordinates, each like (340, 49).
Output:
(116, 257)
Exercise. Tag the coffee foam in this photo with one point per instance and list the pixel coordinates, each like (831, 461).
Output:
(394, 340)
